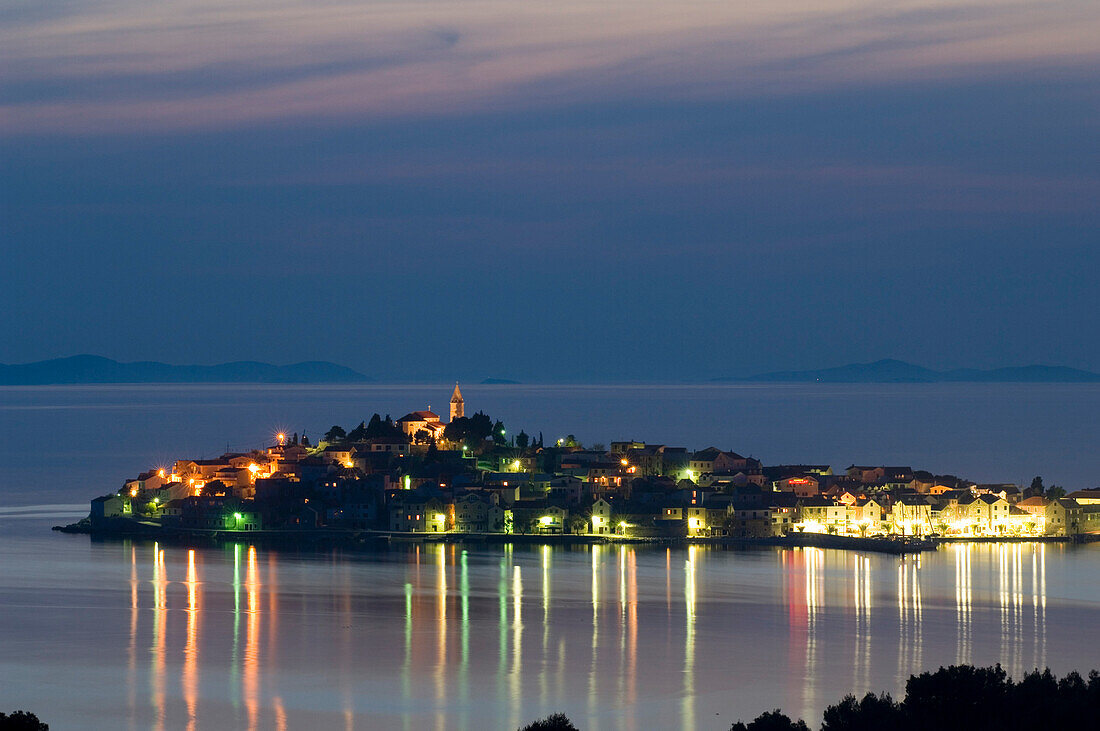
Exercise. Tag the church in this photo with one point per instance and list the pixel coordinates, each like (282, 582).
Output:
(428, 421)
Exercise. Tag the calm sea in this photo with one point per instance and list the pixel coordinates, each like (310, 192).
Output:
(118, 634)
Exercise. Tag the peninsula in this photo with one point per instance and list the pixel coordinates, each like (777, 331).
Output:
(420, 475)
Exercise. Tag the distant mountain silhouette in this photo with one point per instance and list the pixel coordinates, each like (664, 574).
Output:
(95, 369)
(499, 382)
(898, 371)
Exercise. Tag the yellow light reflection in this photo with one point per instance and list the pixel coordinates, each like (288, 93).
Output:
(910, 625)
(441, 635)
(463, 671)
(687, 710)
(160, 609)
(963, 601)
(132, 650)
(631, 695)
(593, 675)
(813, 559)
(543, 678)
(280, 714)
(516, 675)
(861, 661)
(251, 675)
(191, 651)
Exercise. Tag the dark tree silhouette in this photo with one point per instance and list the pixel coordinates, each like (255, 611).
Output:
(471, 430)
(379, 428)
(771, 721)
(335, 434)
(872, 713)
(553, 722)
(964, 698)
(21, 721)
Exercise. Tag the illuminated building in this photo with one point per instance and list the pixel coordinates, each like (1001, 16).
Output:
(458, 404)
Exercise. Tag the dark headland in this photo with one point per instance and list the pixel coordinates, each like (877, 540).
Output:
(82, 369)
(898, 371)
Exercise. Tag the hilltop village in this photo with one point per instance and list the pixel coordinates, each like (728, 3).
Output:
(419, 474)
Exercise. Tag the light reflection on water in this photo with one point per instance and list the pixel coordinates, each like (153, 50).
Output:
(450, 636)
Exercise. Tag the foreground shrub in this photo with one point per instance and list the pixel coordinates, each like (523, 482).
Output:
(553, 722)
(962, 697)
(21, 721)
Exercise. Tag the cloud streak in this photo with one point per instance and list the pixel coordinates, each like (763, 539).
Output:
(197, 64)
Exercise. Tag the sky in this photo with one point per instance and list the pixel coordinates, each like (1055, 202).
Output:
(551, 191)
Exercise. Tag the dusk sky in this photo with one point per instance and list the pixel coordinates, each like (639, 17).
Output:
(555, 191)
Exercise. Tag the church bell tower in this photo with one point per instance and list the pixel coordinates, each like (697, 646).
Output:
(458, 406)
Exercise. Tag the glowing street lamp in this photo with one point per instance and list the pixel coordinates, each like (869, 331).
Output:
(281, 437)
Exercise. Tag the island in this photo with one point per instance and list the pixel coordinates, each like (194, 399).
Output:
(419, 477)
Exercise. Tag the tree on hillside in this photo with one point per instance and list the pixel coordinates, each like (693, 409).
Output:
(498, 434)
(481, 426)
(1056, 491)
(335, 434)
(458, 430)
(1037, 485)
(522, 440)
(374, 427)
(379, 428)
(470, 430)
(359, 433)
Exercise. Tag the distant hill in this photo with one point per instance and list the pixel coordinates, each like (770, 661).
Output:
(95, 369)
(499, 382)
(898, 371)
